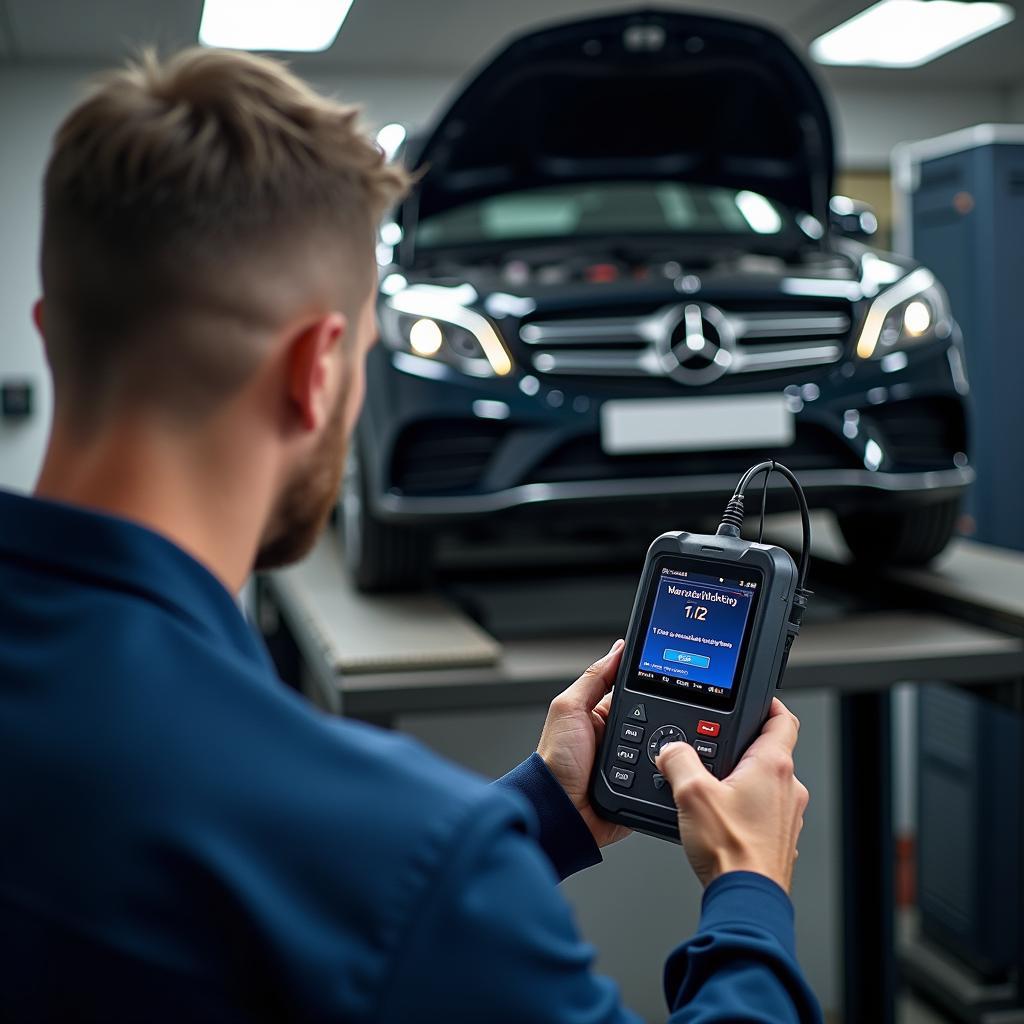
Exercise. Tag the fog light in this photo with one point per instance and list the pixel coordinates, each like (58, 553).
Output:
(425, 338)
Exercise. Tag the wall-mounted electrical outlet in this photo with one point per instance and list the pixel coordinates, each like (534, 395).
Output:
(16, 399)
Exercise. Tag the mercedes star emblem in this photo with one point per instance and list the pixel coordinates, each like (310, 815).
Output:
(697, 345)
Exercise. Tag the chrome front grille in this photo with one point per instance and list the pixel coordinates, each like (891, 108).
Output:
(667, 342)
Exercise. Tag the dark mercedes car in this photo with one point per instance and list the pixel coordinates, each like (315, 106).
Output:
(621, 280)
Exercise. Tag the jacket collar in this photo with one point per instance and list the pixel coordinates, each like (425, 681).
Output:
(105, 551)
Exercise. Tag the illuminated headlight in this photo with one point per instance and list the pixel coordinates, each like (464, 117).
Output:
(917, 317)
(427, 322)
(912, 311)
(425, 337)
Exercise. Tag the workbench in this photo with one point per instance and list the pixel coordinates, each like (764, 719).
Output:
(516, 635)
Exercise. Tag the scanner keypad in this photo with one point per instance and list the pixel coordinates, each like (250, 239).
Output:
(627, 754)
(705, 748)
(666, 734)
(632, 733)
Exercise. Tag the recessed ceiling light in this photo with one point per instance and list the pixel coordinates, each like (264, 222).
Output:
(294, 25)
(908, 33)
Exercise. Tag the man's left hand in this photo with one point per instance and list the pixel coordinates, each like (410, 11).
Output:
(572, 733)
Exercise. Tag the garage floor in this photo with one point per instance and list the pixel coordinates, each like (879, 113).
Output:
(913, 1012)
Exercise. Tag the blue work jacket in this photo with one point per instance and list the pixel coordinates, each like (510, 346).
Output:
(184, 838)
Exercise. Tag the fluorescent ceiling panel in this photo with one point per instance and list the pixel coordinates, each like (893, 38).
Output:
(908, 33)
(293, 25)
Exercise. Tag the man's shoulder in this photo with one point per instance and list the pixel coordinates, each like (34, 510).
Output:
(360, 826)
(415, 788)
(362, 778)
(224, 738)
(341, 784)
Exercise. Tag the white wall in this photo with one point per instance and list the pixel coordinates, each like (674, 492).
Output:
(31, 104)
(1015, 104)
(870, 122)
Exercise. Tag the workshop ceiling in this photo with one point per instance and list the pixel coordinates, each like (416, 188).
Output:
(448, 37)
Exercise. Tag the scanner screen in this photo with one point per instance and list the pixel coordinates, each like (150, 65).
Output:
(696, 627)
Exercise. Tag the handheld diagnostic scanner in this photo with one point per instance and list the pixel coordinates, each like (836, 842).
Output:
(708, 641)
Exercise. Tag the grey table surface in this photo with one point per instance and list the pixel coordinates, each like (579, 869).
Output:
(960, 622)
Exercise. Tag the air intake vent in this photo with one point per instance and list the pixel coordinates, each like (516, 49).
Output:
(444, 457)
(921, 434)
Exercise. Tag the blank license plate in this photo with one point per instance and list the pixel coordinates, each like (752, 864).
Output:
(695, 424)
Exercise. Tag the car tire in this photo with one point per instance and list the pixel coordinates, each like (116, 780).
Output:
(910, 536)
(379, 556)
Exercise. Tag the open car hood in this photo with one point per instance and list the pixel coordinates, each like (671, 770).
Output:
(640, 95)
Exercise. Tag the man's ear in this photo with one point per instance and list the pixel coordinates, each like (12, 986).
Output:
(37, 317)
(313, 369)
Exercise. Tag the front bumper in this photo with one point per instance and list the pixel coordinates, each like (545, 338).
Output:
(840, 488)
(441, 447)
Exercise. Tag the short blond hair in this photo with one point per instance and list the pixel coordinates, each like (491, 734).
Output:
(186, 202)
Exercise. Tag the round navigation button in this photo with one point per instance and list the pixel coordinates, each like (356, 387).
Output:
(666, 734)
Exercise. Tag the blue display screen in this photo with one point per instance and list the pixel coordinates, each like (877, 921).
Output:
(697, 627)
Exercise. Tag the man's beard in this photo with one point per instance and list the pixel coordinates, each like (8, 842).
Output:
(305, 504)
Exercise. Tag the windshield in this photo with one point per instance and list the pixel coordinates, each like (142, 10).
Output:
(603, 209)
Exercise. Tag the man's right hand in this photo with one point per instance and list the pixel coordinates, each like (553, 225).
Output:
(749, 821)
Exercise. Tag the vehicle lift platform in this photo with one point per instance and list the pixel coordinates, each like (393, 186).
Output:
(515, 635)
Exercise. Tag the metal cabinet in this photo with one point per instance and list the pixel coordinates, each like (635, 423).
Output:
(959, 208)
(960, 211)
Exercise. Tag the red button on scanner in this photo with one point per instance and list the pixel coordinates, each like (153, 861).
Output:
(708, 728)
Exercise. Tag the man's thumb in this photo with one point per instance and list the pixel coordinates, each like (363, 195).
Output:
(679, 763)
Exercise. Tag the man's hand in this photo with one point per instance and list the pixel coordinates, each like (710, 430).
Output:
(749, 821)
(572, 733)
